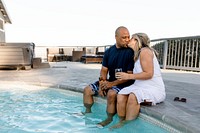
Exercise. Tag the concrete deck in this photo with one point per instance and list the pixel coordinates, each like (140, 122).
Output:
(75, 75)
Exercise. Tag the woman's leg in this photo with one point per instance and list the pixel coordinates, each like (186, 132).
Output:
(127, 106)
(132, 107)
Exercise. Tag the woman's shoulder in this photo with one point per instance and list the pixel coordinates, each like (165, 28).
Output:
(146, 51)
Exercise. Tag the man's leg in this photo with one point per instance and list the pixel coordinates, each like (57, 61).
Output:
(88, 99)
(132, 108)
(121, 110)
(111, 107)
(121, 106)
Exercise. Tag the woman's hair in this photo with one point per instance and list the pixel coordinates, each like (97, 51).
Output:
(143, 41)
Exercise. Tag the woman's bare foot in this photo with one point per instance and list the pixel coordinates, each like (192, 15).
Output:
(119, 124)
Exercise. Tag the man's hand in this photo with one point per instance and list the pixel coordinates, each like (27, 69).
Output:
(105, 85)
(101, 93)
(102, 88)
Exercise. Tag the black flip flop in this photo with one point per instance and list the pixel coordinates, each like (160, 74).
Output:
(180, 99)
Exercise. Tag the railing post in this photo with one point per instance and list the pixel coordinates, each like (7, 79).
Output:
(165, 54)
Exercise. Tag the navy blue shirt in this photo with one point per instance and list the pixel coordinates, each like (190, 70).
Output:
(118, 58)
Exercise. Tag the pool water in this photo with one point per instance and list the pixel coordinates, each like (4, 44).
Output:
(31, 109)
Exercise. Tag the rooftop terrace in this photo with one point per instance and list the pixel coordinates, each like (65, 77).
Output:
(76, 75)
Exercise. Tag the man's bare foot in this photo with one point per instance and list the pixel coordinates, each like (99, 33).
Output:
(87, 111)
(105, 122)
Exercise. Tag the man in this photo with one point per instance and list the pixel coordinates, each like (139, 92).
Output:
(117, 56)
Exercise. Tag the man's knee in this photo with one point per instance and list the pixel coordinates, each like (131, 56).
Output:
(111, 95)
(87, 90)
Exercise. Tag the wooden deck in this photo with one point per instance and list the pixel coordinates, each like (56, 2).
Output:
(92, 59)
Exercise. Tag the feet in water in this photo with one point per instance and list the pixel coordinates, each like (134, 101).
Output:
(86, 112)
(105, 122)
(87, 108)
(108, 120)
(119, 124)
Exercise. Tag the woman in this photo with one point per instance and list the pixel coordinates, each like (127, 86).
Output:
(148, 86)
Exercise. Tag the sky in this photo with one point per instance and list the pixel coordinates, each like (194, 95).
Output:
(93, 22)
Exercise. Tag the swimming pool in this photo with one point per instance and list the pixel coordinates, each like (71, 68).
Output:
(30, 109)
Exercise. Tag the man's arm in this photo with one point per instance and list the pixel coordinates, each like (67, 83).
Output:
(107, 85)
(102, 79)
(103, 73)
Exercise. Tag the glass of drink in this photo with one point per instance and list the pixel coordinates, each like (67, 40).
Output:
(118, 70)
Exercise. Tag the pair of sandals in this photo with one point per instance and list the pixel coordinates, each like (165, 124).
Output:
(180, 99)
(148, 103)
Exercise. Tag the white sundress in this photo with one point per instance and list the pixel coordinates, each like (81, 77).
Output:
(151, 90)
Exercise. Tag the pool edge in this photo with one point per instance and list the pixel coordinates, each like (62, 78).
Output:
(175, 123)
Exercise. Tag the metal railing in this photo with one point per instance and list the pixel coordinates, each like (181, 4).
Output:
(181, 53)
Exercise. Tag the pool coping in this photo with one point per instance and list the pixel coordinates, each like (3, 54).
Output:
(153, 111)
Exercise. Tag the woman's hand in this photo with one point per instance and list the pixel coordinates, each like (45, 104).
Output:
(123, 76)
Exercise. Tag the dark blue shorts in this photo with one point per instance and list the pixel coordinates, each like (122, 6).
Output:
(95, 88)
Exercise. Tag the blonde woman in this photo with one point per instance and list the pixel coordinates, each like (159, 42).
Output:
(148, 86)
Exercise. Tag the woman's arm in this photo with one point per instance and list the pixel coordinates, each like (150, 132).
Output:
(146, 60)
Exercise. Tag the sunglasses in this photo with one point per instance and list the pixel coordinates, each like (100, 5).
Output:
(180, 99)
